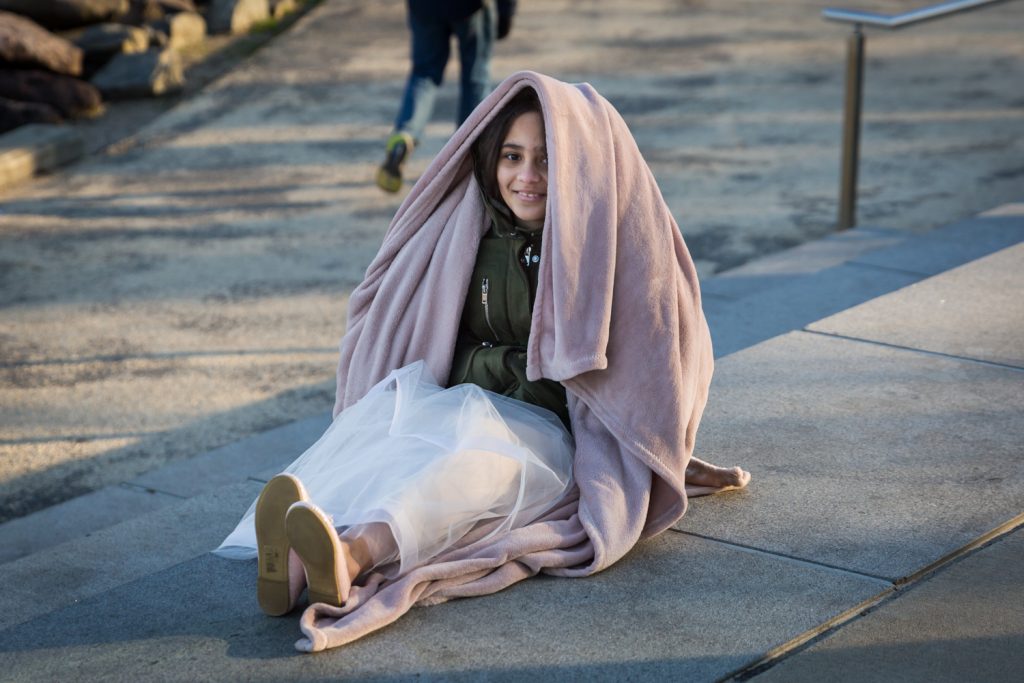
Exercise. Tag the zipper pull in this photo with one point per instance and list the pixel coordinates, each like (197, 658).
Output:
(484, 287)
(529, 250)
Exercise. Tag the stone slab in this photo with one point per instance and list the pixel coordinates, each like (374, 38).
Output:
(865, 457)
(36, 148)
(974, 311)
(786, 266)
(142, 74)
(677, 607)
(966, 623)
(236, 461)
(237, 16)
(76, 518)
(737, 325)
(954, 244)
(77, 570)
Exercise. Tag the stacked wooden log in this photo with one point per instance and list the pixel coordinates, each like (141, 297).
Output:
(60, 59)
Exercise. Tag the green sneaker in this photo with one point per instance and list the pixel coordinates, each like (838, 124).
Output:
(389, 175)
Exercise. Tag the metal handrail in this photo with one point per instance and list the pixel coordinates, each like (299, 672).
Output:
(916, 16)
(855, 83)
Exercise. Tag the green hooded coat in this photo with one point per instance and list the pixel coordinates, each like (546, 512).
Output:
(495, 324)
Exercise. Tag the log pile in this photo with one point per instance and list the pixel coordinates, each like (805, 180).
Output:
(60, 59)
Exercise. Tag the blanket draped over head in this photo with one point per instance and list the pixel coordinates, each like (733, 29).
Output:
(617, 320)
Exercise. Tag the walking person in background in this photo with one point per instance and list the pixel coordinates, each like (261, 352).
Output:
(432, 23)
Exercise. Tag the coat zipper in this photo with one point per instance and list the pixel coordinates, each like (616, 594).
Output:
(484, 288)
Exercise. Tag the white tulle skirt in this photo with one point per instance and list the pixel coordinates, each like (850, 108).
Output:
(431, 463)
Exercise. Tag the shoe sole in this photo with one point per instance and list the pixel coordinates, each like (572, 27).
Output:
(388, 181)
(272, 545)
(316, 543)
(389, 175)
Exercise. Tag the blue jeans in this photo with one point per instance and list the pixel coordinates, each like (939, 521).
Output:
(431, 46)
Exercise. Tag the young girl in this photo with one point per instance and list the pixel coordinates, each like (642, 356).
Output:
(535, 268)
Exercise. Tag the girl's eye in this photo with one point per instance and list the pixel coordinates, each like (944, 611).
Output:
(511, 156)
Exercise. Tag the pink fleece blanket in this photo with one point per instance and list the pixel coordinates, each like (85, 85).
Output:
(617, 320)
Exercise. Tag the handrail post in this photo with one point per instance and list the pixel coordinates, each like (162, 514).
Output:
(851, 129)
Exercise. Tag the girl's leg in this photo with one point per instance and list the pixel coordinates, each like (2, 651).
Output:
(367, 546)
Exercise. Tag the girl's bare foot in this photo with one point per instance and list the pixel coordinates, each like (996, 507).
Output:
(705, 475)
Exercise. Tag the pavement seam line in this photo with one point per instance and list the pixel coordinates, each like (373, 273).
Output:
(780, 652)
(78, 438)
(940, 354)
(792, 558)
(889, 269)
(151, 489)
(807, 639)
(1003, 529)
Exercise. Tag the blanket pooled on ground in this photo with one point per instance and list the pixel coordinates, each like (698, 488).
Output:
(617, 320)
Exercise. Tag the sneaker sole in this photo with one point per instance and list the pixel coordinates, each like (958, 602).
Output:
(389, 175)
(387, 181)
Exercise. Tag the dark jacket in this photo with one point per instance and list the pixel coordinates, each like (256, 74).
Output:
(443, 10)
(496, 317)
(457, 10)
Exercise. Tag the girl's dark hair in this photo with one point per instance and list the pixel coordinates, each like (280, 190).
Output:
(487, 147)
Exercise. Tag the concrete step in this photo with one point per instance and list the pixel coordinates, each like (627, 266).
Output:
(869, 457)
(885, 441)
(247, 459)
(963, 625)
(67, 573)
(791, 289)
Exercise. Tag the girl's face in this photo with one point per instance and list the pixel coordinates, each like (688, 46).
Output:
(523, 170)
